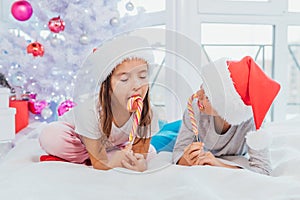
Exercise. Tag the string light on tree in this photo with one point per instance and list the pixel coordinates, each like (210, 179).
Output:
(84, 39)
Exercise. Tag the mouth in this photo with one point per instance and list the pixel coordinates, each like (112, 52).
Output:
(132, 103)
(135, 95)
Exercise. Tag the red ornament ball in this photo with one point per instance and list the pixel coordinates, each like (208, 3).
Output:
(21, 10)
(36, 49)
(56, 24)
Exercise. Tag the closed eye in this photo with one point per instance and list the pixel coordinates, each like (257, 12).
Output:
(124, 77)
(143, 75)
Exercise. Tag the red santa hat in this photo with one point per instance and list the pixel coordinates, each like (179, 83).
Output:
(239, 90)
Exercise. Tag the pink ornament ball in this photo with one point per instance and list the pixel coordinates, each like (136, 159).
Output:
(21, 10)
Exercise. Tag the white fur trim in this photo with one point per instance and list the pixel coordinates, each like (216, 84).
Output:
(219, 89)
(259, 139)
(101, 63)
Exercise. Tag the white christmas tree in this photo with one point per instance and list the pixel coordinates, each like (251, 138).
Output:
(87, 23)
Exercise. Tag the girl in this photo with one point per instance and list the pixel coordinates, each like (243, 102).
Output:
(97, 129)
(232, 103)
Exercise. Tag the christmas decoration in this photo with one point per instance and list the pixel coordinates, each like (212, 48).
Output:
(18, 78)
(129, 6)
(114, 21)
(58, 53)
(46, 113)
(65, 106)
(56, 24)
(36, 49)
(21, 10)
(22, 114)
(36, 106)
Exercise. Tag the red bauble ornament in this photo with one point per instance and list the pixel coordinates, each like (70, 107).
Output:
(36, 49)
(56, 24)
(21, 10)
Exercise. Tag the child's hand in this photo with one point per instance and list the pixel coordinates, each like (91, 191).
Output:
(134, 161)
(204, 103)
(116, 159)
(191, 154)
(208, 158)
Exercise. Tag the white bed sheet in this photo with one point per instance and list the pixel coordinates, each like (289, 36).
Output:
(22, 176)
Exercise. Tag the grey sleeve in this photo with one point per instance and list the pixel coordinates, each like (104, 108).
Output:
(256, 160)
(184, 138)
(259, 161)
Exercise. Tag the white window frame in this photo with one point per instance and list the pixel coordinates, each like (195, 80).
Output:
(186, 17)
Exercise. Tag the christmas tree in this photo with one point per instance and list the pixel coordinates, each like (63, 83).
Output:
(50, 39)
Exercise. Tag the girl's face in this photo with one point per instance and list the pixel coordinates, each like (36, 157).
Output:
(204, 101)
(130, 78)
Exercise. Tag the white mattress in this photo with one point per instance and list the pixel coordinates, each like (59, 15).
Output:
(22, 176)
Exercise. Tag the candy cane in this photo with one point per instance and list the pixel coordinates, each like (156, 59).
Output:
(135, 104)
(192, 115)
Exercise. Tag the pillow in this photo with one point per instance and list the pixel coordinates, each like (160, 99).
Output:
(165, 139)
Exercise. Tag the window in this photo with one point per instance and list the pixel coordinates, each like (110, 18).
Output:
(293, 68)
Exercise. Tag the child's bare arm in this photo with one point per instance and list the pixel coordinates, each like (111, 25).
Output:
(221, 126)
(98, 156)
(141, 146)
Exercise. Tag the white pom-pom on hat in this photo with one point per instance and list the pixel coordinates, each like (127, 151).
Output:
(259, 139)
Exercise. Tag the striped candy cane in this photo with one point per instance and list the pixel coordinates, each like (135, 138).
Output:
(135, 104)
(192, 115)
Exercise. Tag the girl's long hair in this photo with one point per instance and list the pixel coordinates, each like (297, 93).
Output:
(106, 116)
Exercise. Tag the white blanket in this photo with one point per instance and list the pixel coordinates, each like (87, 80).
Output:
(23, 177)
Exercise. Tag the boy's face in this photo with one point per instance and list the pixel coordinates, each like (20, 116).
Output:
(130, 78)
(204, 101)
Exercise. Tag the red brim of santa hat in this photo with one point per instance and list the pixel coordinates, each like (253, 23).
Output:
(238, 90)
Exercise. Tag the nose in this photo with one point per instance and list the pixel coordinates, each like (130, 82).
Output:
(200, 94)
(136, 83)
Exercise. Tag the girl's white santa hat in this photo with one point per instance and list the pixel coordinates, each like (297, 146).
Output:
(101, 62)
(104, 59)
(238, 90)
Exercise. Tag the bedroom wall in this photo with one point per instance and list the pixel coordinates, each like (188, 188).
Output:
(188, 17)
